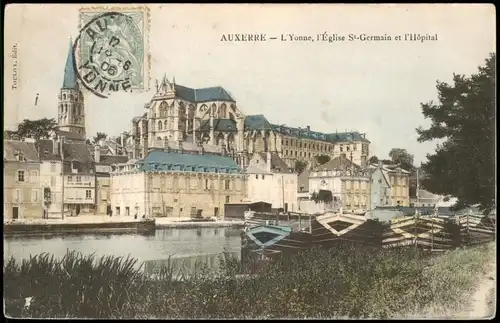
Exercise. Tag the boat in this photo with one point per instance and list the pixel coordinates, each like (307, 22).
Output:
(330, 229)
(271, 239)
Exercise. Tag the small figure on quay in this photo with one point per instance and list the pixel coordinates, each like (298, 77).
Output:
(135, 216)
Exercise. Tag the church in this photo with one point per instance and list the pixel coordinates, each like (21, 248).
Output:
(210, 117)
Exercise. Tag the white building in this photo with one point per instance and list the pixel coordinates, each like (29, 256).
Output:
(348, 183)
(270, 180)
(176, 184)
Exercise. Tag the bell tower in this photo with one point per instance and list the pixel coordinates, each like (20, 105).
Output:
(71, 112)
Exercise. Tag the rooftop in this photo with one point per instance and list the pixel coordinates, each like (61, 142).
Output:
(259, 122)
(12, 147)
(173, 161)
(70, 80)
(216, 93)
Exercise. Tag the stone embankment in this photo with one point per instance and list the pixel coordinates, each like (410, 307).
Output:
(104, 223)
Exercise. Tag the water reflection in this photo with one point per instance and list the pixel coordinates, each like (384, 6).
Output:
(162, 244)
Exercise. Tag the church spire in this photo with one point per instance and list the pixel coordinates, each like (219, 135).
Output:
(70, 81)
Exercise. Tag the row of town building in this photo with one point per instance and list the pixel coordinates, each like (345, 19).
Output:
(61, 177)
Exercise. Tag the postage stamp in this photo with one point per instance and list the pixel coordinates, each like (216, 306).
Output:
(111, 49)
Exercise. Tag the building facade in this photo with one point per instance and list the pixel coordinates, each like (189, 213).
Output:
(51, 176)
(399, 179)
(103, 168)
(380, 189)
(270, 180)
(211, 116)
(21, 176)
(348, 183)
(176, 184)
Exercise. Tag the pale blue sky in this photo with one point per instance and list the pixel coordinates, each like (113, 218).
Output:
(369, 87)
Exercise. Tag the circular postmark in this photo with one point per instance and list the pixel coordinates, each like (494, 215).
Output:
(111, 54)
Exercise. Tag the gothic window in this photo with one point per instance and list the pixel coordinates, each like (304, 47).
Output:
(71, 97)
(74, 110)
(223, 111)
(163, 109)
(64, 96)
(160, 125)
(165, 125)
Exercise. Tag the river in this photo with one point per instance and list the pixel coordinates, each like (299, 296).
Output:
(186, 245)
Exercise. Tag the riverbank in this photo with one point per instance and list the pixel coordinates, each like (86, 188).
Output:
(104, 223)
(347, 282)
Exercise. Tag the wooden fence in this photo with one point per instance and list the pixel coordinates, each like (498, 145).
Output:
(421, 231)
(437, 234)
(476, 229)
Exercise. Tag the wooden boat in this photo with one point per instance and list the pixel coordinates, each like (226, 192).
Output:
(296, 220)
(271, 239)
(329, 229)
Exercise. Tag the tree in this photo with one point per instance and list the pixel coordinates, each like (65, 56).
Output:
(36, 129)
(401, 157)
(300, 166)
(322, 196)
(100, 136)
(463, 166)
(322, 159)
(373, 160)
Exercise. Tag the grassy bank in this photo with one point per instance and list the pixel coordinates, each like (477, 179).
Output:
(345, 282)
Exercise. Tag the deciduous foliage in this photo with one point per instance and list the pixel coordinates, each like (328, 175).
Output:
(322, 196)
(463, 165)
(300, 166)
(373, 160)
(401, 157)
(100, 136)
(322, 159)
(36, 129)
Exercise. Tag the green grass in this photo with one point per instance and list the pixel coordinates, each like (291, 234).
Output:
(344, 282)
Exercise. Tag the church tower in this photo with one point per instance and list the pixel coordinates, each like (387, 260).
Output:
(71, 116)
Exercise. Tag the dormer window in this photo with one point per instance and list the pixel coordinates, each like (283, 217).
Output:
(20, 156)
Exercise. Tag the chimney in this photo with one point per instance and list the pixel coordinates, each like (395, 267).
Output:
(97, 153)
(268, 162)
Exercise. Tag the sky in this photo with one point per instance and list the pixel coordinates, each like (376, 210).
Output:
(371, 87)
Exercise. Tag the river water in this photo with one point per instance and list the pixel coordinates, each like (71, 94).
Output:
(189, 245)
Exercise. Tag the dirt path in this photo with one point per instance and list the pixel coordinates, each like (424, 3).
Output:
(483, 302)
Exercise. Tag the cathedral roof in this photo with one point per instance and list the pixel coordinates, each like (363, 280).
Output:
(257, 122)
(216, 93)
(163, 161)
(70, 80)
(219, 125)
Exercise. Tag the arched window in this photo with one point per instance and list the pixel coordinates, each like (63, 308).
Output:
(64, 96)
(165, 125)
(160, 125)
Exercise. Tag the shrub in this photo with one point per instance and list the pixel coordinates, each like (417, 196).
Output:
(348, 281)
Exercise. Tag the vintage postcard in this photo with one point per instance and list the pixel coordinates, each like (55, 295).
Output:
(249, 161)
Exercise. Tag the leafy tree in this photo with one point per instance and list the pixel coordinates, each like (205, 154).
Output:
(401, 157)
(373, 160)
(36, 129)
(322, 196)
(322, 159)
(100, 136)
(463, 166)
(300, 166)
